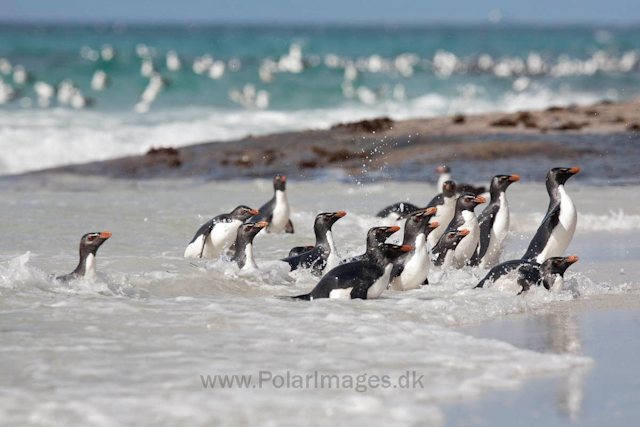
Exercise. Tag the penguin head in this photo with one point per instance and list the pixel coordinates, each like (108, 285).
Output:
(452, 238)
(325, 220)
(449, 189)
(250, 229)
(469, 201)
(558, 265)
(418, 221)
(90, 242)
(243, 213)
(561, 175)
(500, 183)
(381, 234)
(279, 182)
(443, 169)
(393, 252)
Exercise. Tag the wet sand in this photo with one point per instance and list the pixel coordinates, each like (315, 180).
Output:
(604, 135)
(604, 328)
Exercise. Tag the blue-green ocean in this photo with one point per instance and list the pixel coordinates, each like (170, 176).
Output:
(72, 94)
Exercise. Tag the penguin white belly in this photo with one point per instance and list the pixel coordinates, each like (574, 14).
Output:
(380, 285)
(562, 234)
(557, 285)
(468, 244)
(90, 267)
(332, 260)
(508, 282)
(416, 269)
(499, 233)
(449, 260)
(221, 237)
(342, 293)
(195, 248)
(280, 216)
(443, 216)
(250, 263)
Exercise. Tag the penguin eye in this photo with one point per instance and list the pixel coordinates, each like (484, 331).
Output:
(247, 228)
(558, 262)
(91, 238)
(379, 231)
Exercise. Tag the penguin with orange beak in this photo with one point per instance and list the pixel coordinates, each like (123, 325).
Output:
(89, 245)
(217, 235)
(464, 218)
(525, 274)
(494, 223)
(558, 226)
(276, 211)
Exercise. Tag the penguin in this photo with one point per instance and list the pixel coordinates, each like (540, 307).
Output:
(559, 225)
(276, 211)
(549, 274)
(365, 279)
(218, 234)
(445, 175)
(445, 202)
(464, 218)
(448, 244)
(323, 256)
(375, 236)
(89, 244)
(297, 250)
(494, 223)
(244, 244)
(410, 271)
(397, 210)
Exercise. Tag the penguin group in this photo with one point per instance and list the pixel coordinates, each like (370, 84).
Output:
(446, 234)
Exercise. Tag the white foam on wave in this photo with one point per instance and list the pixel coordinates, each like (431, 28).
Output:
(587, 222)
(39, 139)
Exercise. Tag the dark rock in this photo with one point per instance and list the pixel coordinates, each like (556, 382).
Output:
(167, 155)
(504, 122)
(459, 119)
(634, 127)
(376, 125)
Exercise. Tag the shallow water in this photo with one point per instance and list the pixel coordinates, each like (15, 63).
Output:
(140, 338)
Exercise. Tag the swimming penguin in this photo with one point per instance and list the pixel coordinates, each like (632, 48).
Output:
(397, 210)
(89, 244)
(559, 225)
(365, 279)
(218, 234)
(276, 211)
(244, 244)
(448, 244)
(464, 218)
(375, 236)
(410, 271)
(461, 188)
(494, 223)
(525, 274)
(323, 256)
(297, 250)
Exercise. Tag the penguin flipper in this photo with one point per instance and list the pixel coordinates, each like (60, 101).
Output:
(541, 237)
(396, 271)
(426, 282)
(289, 227)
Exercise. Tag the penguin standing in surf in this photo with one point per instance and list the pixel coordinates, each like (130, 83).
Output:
(218, 234)
(445, 202)
(365, 279)
(410, 271)
(523, 274)
(89, 245)
(558, 226)
(448, 244)
(494, 223)
(244, 244)
(276, 211)
(375, 236)
(323, 256)
(464, 218)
